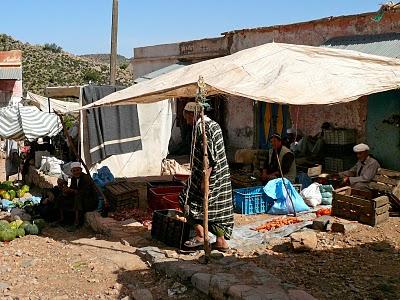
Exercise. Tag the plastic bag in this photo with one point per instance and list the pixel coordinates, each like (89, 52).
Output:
(278, 199)
(312, 195)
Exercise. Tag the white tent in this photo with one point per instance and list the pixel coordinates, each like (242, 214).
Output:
(278, 73)
(55, 105)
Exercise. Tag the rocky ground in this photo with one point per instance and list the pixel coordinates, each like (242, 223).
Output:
(61, 265)
(363, 263)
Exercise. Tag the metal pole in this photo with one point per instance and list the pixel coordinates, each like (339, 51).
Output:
(114, 35)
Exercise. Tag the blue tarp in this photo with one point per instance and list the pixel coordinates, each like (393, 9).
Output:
(279, 200)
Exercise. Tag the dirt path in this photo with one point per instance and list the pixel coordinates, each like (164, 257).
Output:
(75, 266)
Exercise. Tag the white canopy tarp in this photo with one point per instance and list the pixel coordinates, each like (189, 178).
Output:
(55, 105)
(274, 72)
(27, 122)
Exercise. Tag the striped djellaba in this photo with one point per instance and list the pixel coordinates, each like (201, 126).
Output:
(220, 205)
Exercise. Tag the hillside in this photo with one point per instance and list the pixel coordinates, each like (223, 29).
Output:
(122, 61)
(49, 65)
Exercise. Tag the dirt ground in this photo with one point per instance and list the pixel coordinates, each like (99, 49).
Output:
(61, 265)
(361, 264)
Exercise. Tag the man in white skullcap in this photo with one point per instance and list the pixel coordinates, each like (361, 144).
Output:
(82, 192)
(220, 204)
(359, 176)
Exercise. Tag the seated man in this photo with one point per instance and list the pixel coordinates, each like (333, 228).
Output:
(359, 176)
(81, 191)
(286, 159)
(49, 204)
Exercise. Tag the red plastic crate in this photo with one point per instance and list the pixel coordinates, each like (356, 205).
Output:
(156, 195)
(180, 178)
(170, 202)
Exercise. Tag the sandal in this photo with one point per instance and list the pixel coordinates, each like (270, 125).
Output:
(218, 248)
(194, 243)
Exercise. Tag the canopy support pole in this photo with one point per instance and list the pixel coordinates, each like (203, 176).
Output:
(201, 97)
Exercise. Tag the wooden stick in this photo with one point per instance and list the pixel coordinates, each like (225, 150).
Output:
(72, 144)
(206, 179)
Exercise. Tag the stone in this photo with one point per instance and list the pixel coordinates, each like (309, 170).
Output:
(343, 227)
(97, 223)
(142, 294)
(296, 294)
(304, 240)
(321, 223)
(126, 298)
(18, 253)
(151, 254)
(201, 281)
(270, 291)
(216, 255)
(185, 271)
(4, 286)
(220, 283)
(239, 292)
(124, 242)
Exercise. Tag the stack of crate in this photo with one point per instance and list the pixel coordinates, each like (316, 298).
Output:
(339, 149)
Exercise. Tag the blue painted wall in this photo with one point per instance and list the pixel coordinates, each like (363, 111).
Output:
(384, 138)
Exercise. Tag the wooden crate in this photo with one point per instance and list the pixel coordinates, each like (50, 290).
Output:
(360, 206)
(387, 182)
(122, 195)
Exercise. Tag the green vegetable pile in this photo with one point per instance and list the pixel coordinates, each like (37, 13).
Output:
(18, 229)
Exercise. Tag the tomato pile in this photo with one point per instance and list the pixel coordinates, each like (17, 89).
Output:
(277, 222)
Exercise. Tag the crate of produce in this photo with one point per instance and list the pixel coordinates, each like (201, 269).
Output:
(360, 206)
(250, 201)
(155, 196)
(334, 164)
(340, 136)
(169, 227)
(121, 195)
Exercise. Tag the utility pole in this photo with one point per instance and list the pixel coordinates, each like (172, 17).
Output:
(114, 34)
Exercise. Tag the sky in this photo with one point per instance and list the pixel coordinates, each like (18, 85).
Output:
(84, 26)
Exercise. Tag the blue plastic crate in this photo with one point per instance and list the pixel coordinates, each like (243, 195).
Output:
(250, 201)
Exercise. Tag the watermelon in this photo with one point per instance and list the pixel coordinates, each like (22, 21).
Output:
(12, 194)
(40, 223)
(4, 225)
(9, 183)
(8, 235)
(20, 232)
(25, 223)
(25, 188)
(31, 229)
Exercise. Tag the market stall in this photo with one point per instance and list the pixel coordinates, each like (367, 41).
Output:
(274, 73)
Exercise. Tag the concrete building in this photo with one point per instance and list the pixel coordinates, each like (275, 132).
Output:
(355, 32)
(10, 76)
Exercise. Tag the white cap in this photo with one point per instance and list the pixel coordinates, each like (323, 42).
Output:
(192, 107)
(76, 165)
(360, 148)
(40, 141)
